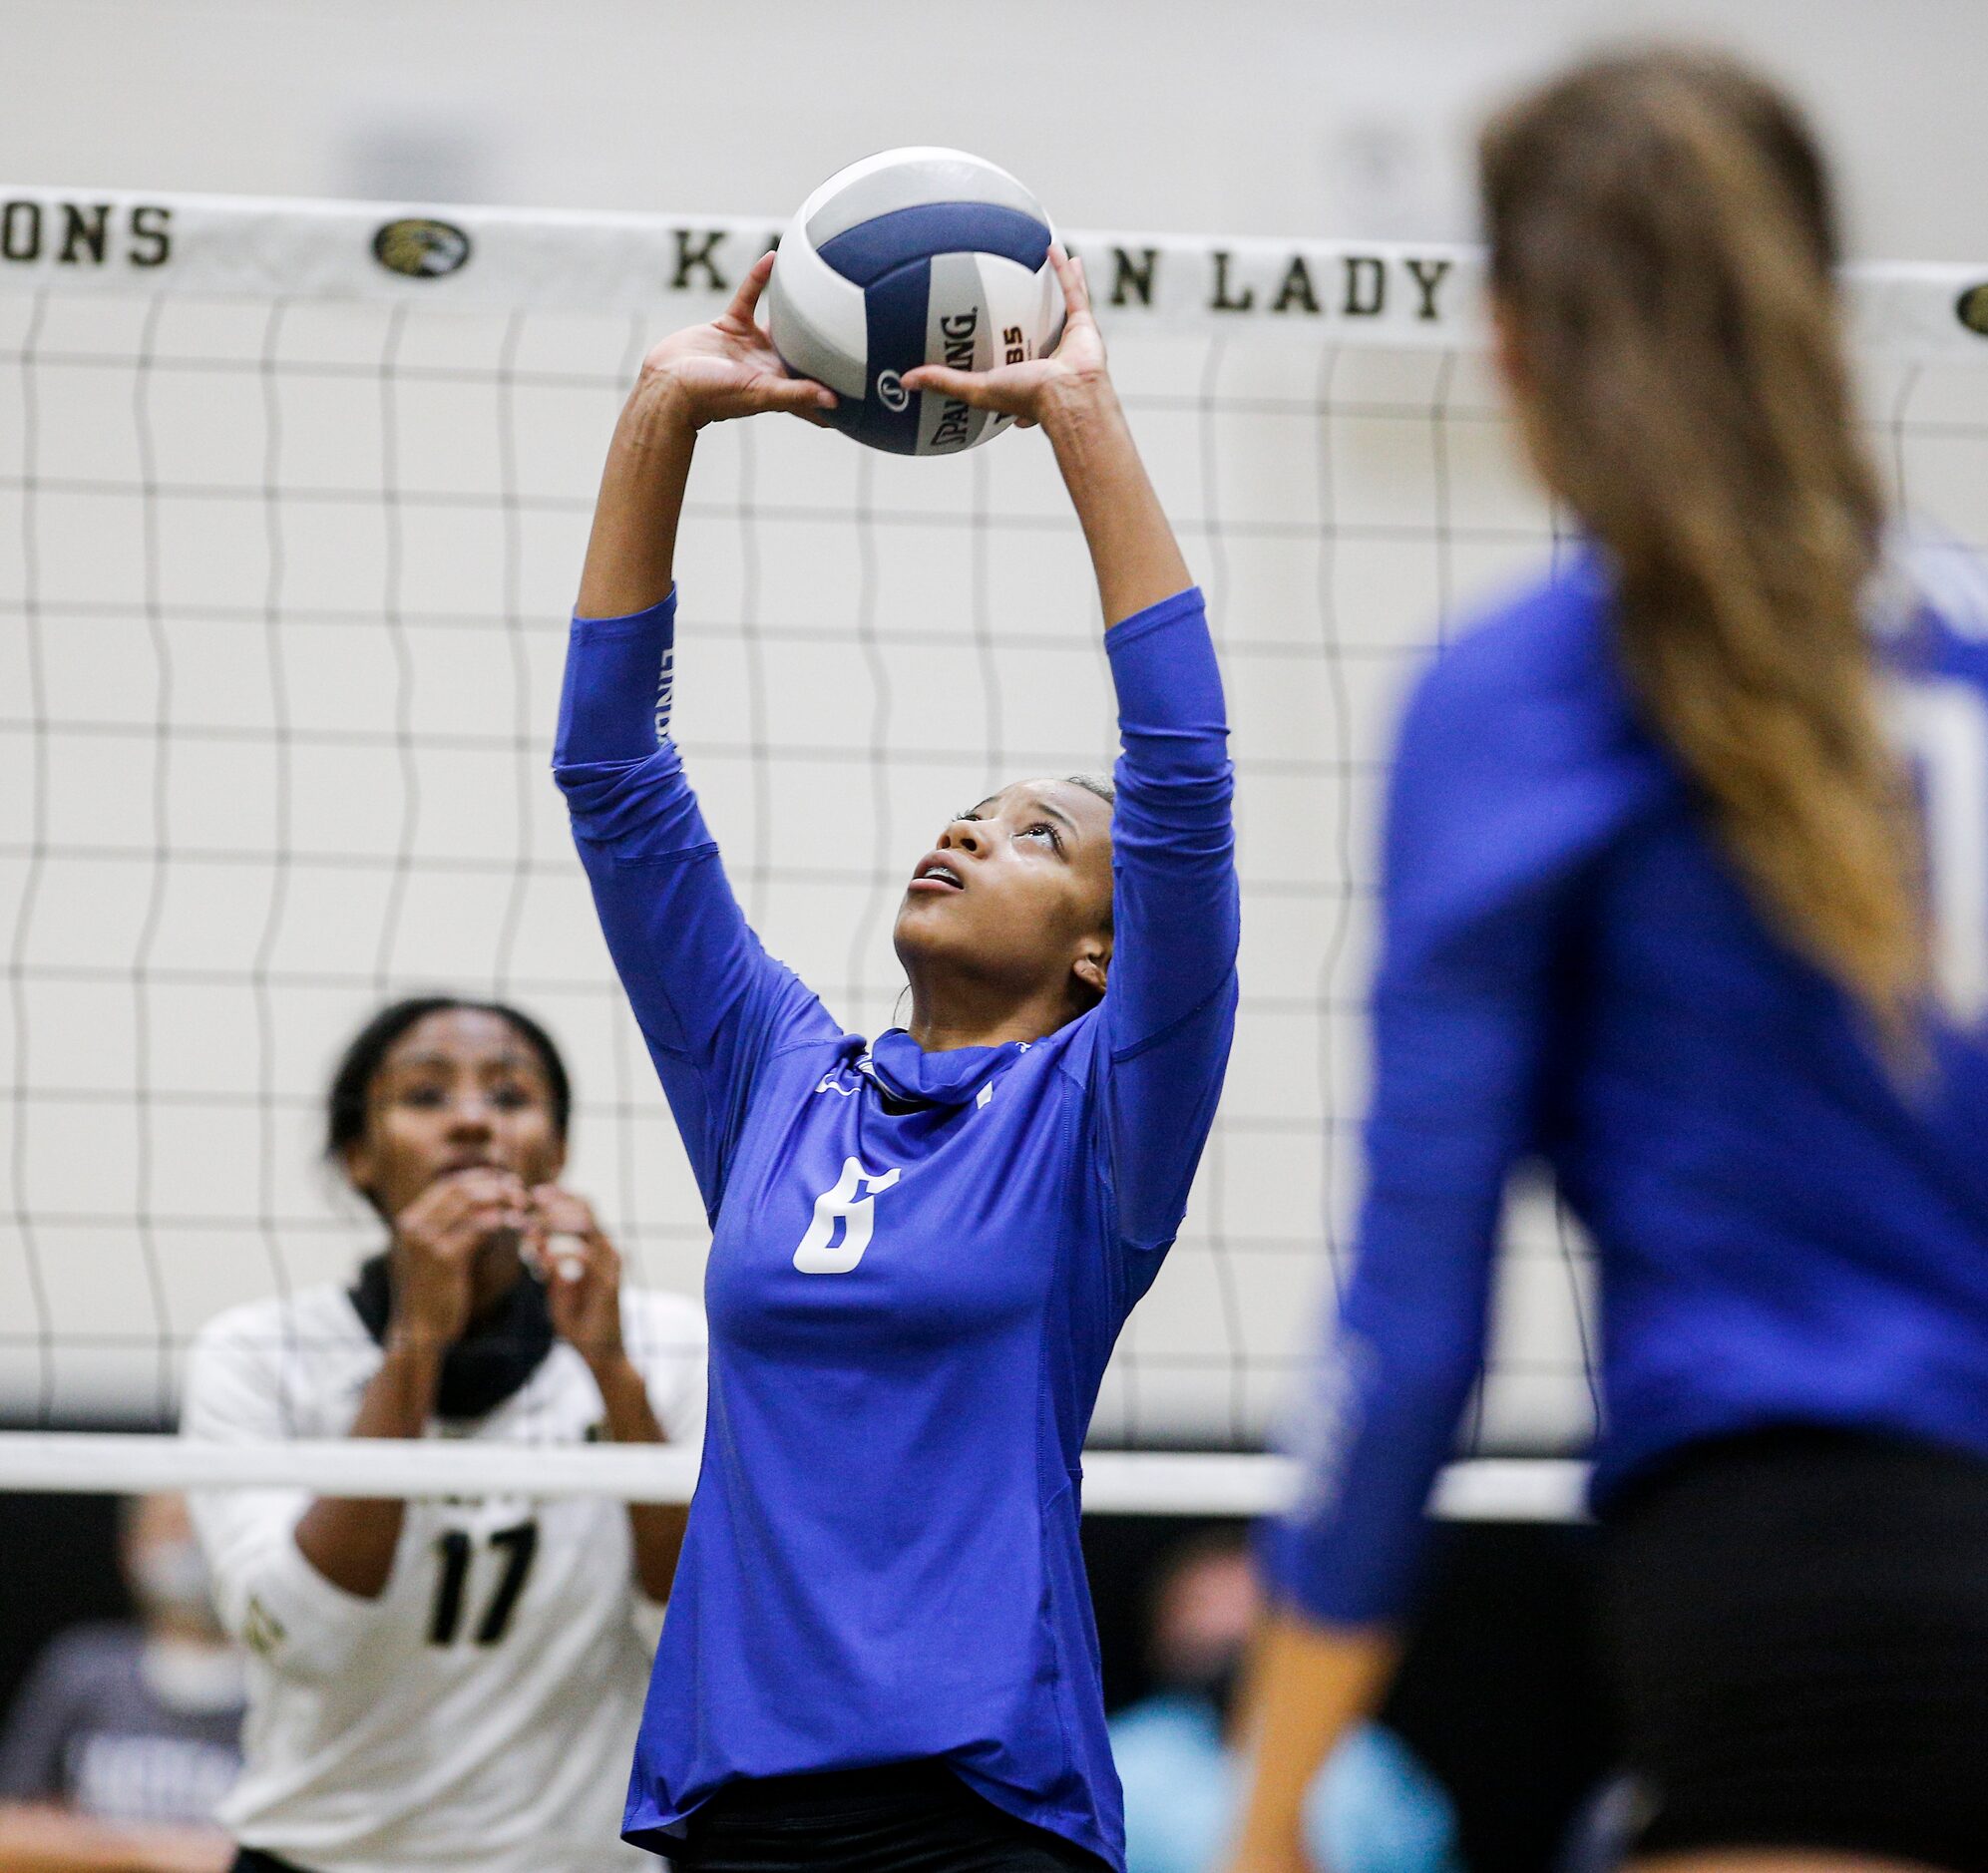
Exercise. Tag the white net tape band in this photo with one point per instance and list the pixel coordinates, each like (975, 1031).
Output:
(682, 267)
(1115, 1482)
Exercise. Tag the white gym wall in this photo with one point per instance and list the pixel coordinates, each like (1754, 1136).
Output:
(1274, 117)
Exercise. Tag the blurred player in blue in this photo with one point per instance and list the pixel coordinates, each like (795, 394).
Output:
(880, 1650)
(1687, 892)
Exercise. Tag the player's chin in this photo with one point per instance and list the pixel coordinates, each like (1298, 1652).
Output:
(931, 925)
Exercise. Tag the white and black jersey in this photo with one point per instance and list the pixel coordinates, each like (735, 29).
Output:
(480, 1712)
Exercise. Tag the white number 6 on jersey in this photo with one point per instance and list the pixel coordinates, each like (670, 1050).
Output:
(831, 1249)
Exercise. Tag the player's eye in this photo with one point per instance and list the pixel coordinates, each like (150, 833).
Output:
(425, 1094)
(1045, 830)
(512, 1095)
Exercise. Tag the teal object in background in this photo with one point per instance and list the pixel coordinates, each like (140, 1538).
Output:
(1374, 1810)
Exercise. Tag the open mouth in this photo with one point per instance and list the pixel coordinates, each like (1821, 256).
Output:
(937, 875)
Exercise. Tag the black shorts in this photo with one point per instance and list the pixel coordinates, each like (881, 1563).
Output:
(1798, 1623)
(911, 1817)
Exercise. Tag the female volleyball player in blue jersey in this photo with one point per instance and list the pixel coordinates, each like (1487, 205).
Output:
(1653, 910)
(880, 1652)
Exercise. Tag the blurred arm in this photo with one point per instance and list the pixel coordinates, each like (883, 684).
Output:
(657, 1527)
(37, 1839)
(1490, 818)
(352, 1541)
(267, 1593)
(669, 1346)
(1309, 1686)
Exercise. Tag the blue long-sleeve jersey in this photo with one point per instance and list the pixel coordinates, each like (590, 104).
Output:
(1788, 1228)
(920, 1263)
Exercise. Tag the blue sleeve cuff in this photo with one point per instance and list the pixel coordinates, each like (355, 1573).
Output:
(1297, 1574)
(1170, 705)
(663, 608)
(620, 678)
(1127, 632)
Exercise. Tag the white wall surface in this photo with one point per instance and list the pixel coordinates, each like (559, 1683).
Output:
(1255, 117)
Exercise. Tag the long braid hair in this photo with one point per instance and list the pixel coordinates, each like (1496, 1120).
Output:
(1663, 247)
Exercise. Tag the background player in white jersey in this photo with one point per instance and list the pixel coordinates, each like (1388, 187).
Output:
(447, 1683)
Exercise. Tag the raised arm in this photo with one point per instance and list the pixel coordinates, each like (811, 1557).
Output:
(710, 1001)
(1069, 393)
(1169, 1010)
(702, 374)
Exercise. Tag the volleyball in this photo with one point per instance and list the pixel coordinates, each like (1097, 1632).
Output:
(914, 256)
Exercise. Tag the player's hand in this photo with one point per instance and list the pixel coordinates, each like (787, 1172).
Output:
(1032, 392)
(582, 1271)
(436, 1241)
(709, 373)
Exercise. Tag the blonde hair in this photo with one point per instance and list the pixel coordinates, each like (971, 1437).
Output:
(1662, 259)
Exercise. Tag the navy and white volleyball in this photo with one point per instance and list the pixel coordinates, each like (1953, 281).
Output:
(914, 256)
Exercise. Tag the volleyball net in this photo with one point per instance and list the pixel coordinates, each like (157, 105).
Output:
(292, 501)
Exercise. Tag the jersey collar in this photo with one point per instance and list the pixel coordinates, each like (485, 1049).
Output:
(950, 1078)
